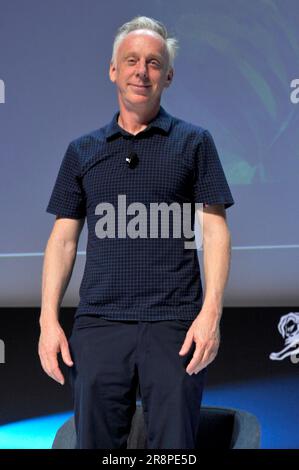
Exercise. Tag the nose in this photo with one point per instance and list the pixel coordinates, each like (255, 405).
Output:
(141, 70)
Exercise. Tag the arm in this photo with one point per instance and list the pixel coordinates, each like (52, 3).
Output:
(216, 256)
(59, 259)
(205, 330)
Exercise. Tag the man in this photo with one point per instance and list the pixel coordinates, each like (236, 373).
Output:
(142, 320)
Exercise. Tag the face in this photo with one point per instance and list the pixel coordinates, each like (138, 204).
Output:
(141, 71)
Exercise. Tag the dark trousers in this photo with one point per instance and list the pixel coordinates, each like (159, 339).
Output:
(112, 359)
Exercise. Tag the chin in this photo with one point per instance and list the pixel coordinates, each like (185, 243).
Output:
(141, 99)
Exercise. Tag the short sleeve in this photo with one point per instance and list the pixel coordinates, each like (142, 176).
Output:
(67, 198)
(210, 184)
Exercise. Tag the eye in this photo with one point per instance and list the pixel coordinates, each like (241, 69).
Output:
(155, 63)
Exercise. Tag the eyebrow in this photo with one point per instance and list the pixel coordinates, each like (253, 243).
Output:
(152, 56)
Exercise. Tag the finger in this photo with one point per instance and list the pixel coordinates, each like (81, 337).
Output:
(203, 363)
(65, 353)
(57, 375)
(208, 357)
(49, 364)
(54, 369)
(43, 362)
(186, 344)
(196, 359)
(47, 367)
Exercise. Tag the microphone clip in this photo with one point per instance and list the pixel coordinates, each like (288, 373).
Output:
(132, 160)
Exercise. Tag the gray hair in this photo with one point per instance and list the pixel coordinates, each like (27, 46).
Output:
(144, 22)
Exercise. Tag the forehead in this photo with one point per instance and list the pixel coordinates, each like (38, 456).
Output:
(141, 39)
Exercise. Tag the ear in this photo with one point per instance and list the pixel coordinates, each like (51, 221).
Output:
(112, 71)
(169, 77)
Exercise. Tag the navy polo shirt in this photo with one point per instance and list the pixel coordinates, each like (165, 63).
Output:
(139, 278)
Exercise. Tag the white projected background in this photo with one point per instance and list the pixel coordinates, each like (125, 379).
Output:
(232, 76)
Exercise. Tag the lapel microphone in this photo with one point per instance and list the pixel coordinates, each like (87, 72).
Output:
(132, 160)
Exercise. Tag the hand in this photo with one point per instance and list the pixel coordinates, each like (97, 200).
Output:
(205, 332)
(52, 341)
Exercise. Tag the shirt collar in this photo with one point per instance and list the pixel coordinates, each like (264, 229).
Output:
(162, 120)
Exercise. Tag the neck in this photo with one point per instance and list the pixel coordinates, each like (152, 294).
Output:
(134, 121)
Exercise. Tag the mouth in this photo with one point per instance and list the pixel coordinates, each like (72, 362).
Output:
(139, 86)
